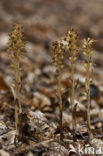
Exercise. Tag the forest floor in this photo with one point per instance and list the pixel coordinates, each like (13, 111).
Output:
(44, 21)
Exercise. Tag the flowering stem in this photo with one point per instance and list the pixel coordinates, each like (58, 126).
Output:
(60, 104)
(88, 97)
(18, 84)
(72, 96)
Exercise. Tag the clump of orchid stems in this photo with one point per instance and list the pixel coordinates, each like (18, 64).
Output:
(16, 49)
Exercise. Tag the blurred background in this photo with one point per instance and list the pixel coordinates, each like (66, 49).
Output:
(45, 21)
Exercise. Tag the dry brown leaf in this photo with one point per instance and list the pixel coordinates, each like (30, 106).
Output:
(57, 150)
(3, 85)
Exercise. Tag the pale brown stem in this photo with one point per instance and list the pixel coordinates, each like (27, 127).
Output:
(17, 92)
(88, 99)
(88, 113)
(60, 105)
(16, 117)
(72, 96)
(18, 85)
